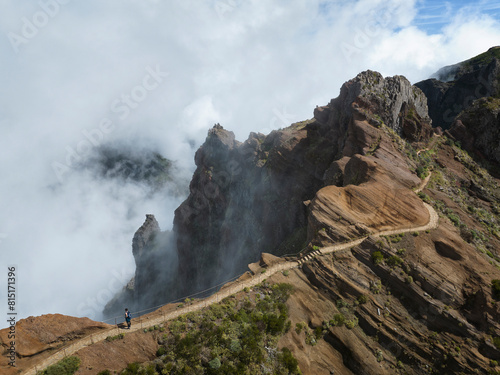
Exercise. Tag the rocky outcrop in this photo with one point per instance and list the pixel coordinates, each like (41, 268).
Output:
(338, 214)
(478, 128)
(417, 302)
(37, 337)
(127, 164)
(426, 314)
(380, 99)
(156, 265)
(143, 236)
(456, 87)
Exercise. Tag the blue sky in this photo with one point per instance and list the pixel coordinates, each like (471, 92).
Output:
(157, 75)
(433, 16)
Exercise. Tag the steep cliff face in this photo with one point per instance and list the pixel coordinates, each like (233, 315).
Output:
(456, 87)
(247, 198)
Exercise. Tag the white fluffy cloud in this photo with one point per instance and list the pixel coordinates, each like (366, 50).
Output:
(159, 74)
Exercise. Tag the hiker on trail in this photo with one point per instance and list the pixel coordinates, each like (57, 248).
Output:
(128, 317)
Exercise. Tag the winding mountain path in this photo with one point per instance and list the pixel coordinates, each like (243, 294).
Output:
(227, 290)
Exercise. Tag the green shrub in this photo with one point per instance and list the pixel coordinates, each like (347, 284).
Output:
(104, 372)
(424, 197)
(131, 369)
(235, 346)
(351, 323)
(318, 332)
(177, 327)
(66, 366)
(281, 291)
(495, 286)
(394, 261)
(341, 303)
(215, 363)
(362, 299)
(454, 218)
(117, 337)
(377, 257)
(311, 338)
(496, 342)
(161, 351)
(338, 320)
(397, 238)
(375, 287)
(288, 361)
(422, 172)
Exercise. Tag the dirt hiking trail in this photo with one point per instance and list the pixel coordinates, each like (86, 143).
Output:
(159, 317)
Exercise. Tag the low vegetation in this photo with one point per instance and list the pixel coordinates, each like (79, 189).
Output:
(232, 337)
(117, 337)
(66, 366)
(377, 257)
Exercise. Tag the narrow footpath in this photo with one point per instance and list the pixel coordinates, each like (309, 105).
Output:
(226, 291)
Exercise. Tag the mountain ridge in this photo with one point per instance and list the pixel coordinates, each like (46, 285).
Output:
(416, 301)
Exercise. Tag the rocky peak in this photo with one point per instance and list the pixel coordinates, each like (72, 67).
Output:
(217, 144)
(386, 97)
(392, 101)
(144, 235)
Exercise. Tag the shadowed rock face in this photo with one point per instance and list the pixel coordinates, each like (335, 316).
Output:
(246, 198)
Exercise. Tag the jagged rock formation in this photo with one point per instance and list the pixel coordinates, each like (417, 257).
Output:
(248, 197)
(155, 266)
(456, 87)
(478, 128)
